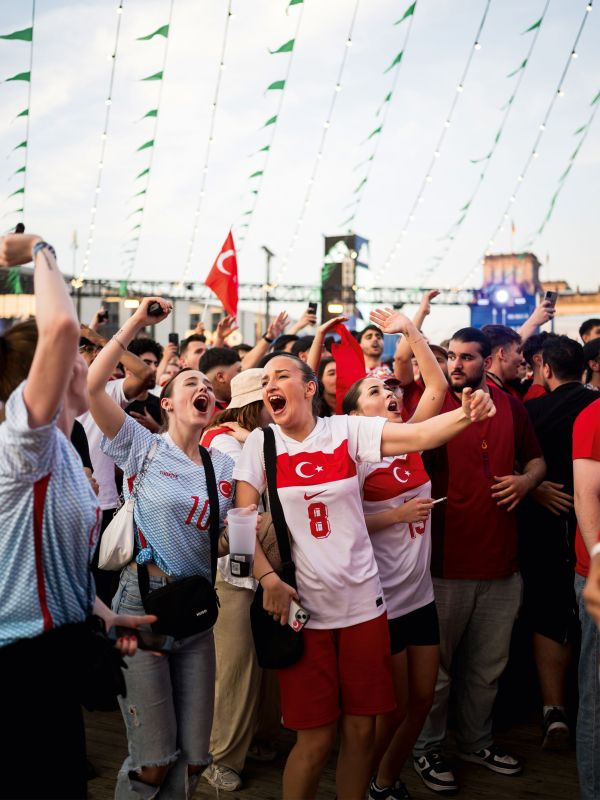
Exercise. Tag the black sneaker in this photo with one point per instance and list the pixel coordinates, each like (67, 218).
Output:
(396, 792)
(556, 730)
(494, 758)
(436, 773)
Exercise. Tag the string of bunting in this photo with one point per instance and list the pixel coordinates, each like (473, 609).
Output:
(374, 137)
(209, 143)
(78, 281)
(320, 150)
(463, 212)
(428, 177)
(149, 145)
(24, 35)
(557, 93)
(581, 132)
(271, 124)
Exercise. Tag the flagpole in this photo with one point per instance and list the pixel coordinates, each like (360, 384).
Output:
(204, 310)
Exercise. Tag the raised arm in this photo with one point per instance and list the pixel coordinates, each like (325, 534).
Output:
(398, 438)
(109, 415)
(413, 340)
(402, 357)
(261, 348)
(225, 327)
(540, 315)
(306, 319)
(314, 354)
(58, 328)
(141, 374)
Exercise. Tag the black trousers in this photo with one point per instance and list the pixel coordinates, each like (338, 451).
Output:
(43, 748)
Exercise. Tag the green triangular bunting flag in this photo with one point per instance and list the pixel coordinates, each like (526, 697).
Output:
(162, 31)
(285, 48)
(14, 280)
(152, 113)
(22, 144)
(142, 173)
(18, 171)
(580, 130)
(21, 76)
(149, 143)
(137, 194)
(26, 35)
(156, 77)
(276, 85)
(521, 66)
(534, 26)
(360, 185)
(397, 60)
(17, 191)
(408, 13)
(270, 121)
(257, 173)
(595, 100)
(374, 133)
(24, 113)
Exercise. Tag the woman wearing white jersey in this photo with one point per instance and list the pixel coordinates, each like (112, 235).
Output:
(397, 506)
(345, 671)
(169, 706)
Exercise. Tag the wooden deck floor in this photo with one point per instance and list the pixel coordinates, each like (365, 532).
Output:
(547, 776)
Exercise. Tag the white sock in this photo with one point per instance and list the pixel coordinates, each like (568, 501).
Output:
(549, 708)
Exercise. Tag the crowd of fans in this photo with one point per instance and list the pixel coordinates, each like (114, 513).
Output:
(431, 499)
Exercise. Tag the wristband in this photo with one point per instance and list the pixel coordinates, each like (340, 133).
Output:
(270, 572)
(266, 338)
(595, 550)
(41, 246)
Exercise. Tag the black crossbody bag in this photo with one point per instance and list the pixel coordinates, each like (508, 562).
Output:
(190, 605)
(277, 646)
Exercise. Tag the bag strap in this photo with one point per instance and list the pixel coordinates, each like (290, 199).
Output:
(214, 516)
(213, 504)
(270, 456)
(139, 478)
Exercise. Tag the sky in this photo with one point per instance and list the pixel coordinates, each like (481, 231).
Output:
(73, 40)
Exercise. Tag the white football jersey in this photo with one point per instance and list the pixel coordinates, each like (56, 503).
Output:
(403, 550)
(319, 489)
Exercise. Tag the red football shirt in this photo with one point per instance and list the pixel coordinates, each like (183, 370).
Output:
(586, 444)
(535, 390)
(472, 537)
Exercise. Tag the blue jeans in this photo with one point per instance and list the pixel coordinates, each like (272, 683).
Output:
(168, 709)
(588, 716)
(476, 621)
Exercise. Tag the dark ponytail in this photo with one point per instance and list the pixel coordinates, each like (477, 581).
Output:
(17, 348)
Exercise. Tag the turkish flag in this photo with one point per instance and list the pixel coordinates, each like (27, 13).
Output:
(223, 277)
(350, 363)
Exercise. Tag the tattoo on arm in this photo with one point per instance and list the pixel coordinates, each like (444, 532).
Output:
(47, 260)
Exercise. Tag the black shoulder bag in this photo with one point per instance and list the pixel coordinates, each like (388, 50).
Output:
(277, 646)
(190, 605)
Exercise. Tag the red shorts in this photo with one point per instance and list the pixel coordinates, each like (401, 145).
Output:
(342, 671)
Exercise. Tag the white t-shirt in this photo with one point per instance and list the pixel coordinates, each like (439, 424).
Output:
(319, 489)
(104, 466)
(403, 550)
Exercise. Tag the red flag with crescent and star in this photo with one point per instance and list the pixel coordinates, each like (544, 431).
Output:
(223, 277)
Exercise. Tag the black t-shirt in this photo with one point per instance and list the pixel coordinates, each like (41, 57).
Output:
(151, 403)
(80, 443)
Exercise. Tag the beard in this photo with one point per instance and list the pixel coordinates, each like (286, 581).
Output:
(470, 383)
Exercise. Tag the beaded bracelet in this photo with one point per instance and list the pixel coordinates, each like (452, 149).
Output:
(41, 246)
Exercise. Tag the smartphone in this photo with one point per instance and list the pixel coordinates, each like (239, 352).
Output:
(147, 640)
(312, 308)
(103, 315)
(551, 297)
(174, 339)
(298, 616)
(155, 309)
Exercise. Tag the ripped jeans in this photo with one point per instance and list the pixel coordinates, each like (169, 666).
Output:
(168, 710)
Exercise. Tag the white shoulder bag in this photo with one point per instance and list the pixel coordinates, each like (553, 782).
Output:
(116, 544)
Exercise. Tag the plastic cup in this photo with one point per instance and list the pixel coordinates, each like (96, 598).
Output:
(242, 540)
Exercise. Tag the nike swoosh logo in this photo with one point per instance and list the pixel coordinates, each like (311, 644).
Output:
(310, 496)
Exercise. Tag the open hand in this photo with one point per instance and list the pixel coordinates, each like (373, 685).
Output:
(278, 325)
(426, 300)
(328, 326)
(390, 321)
(225, 328)
(549, 495)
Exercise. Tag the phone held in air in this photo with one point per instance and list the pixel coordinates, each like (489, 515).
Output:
(551, 297)
(174, 339)
(147, 640)
(312, 308)
(298, 616)
(155, 309)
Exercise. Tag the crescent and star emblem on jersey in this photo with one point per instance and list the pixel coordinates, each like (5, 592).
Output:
(225, 488)
(396, 473)
(302, 474)
(222, 258)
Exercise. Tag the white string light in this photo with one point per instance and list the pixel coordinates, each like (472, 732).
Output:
(475, 47)
(466, 208)
(209, 144)
(78, 281)
(135, 241)
(321, 147)
(534, 150)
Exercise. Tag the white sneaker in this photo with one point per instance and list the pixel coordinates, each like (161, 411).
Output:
(222, 777)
